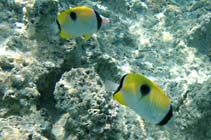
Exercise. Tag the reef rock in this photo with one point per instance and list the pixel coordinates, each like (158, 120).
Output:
(91, 112)
(54, 89)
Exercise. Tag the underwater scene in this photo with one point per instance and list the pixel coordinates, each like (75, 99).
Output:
(105, 70)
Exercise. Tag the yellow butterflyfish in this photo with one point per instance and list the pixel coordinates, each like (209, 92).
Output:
(79, 21)
(145, 98)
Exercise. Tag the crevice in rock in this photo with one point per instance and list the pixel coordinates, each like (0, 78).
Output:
(182, 100)
(47, 82)
(46, 85)
(47, 103)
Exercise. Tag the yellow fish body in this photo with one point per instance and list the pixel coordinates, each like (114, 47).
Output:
(79, 21)
(145, 98)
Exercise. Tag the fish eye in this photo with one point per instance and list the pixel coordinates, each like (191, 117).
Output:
(145, 89)
(73, 15)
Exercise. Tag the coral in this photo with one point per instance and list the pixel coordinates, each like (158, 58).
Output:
(29, 126)
(55, 89)
(80, 92)
(18, 89)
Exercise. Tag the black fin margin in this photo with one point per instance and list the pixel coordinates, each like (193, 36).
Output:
(166, 118)
(120, 85)
(59, 26)
(99, 20)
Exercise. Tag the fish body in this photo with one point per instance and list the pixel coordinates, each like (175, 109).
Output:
(79, 21)
(145, 98)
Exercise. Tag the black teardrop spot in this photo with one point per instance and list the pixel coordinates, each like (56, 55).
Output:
(145, 89)
(73, 16)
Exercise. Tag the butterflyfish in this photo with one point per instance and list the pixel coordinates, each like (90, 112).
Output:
(79, 21)
(145, 98)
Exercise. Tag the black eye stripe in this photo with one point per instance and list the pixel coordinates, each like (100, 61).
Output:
(145, 89)
(58, 24)
(120, 85)
(73, 16)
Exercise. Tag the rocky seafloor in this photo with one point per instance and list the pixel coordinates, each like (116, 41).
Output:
(54, 89)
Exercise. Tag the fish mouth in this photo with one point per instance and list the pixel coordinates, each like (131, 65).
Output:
(59, 26)
(120, 85)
